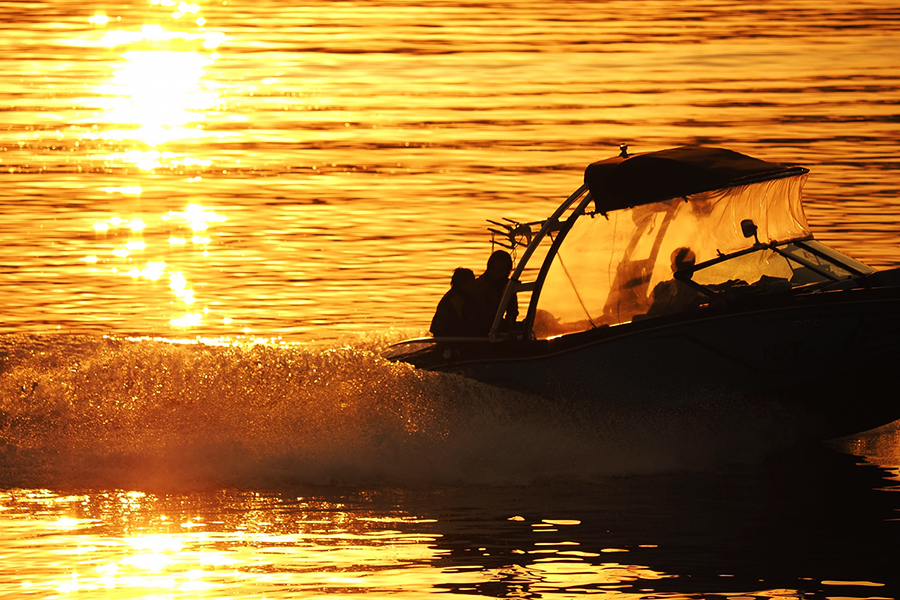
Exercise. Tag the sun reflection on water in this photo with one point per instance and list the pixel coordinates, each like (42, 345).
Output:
(157, 95)
(159, 92)
(280, 546)
(195, 217)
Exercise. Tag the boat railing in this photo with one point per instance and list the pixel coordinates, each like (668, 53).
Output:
(448, 339)
(407, 347)
(552, 224)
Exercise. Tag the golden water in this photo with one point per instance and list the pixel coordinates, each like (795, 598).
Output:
(342, 158)
(314, 171)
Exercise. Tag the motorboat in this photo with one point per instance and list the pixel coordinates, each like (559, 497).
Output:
(687, 276)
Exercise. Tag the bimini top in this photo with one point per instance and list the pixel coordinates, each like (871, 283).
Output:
(628, 181)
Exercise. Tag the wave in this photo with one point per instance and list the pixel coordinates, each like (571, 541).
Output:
(91, 411)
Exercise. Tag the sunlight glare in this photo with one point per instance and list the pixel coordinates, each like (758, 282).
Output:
(134, 190)
(109, 569)
(184, 7)
(150, 160)
(157, 543)
(188, 320)
(148, 562)
(157, 33)
(67, 523)
(159, 90)
(178, 283)
(153, 271)
(198, 218)
(194, 216)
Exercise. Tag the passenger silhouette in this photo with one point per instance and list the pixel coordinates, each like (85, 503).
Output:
(459, 311)
(491, 286)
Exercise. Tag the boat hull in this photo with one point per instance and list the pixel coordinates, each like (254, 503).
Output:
(823, 365)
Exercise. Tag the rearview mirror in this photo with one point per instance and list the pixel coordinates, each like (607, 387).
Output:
(749, 228)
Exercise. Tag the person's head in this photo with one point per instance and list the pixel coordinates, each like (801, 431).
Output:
(499, 265)
(462, 278)
(682, 258)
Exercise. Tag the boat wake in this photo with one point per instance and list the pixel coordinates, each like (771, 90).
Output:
(160, 415)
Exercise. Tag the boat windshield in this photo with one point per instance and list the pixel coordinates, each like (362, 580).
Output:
(770, 269)
(609, 268)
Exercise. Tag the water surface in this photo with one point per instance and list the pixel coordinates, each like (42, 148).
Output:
(309, 175)
(346, 155)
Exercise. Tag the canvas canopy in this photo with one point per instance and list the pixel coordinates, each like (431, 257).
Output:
(696, 198)
(628, 181)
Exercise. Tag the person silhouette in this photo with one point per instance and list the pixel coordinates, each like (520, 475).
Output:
(491, 285)
(458, 312)
(674, 296)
